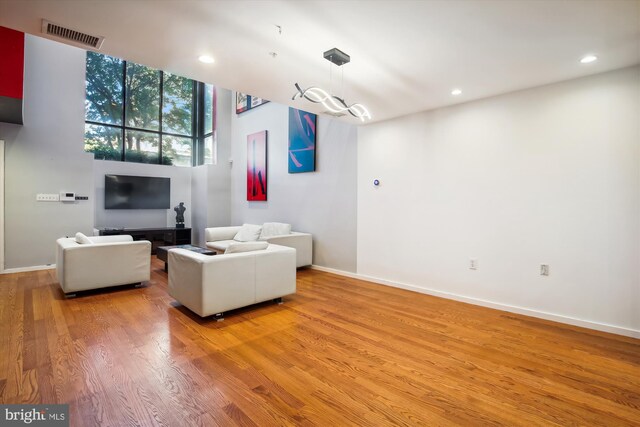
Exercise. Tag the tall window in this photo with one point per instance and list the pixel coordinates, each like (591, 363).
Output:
(209, 148)
(138, 114)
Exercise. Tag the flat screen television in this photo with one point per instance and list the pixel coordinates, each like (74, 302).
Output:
(136, 192)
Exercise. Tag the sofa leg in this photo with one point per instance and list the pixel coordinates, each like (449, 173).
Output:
(138, 285)
(219, 317)
(70, 295)
(278, 300)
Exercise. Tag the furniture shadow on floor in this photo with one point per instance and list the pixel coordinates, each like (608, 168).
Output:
(60, 295)
(232, 317)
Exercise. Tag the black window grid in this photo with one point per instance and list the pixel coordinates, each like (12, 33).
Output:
(197, 123)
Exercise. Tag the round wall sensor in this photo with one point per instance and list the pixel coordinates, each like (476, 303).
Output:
(376, 182)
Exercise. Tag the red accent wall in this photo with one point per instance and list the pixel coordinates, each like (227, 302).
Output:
(12, 60)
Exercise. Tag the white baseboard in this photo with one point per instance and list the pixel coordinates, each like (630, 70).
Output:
(619, 330)
(334, 271)
(24, 269)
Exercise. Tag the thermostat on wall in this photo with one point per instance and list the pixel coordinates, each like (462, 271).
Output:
(67, 197)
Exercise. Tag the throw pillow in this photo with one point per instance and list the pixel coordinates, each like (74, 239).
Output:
(246, 247)
(248, 233)
(82, 239)
(271, 229)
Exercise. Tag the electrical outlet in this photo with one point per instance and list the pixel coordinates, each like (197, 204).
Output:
(473, 264)
(544, 269)
(50, 197)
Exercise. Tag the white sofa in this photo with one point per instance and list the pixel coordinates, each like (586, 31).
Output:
(101, 261)
(219, 239)
(210, 285)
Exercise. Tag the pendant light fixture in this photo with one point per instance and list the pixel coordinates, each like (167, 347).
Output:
(334, 104)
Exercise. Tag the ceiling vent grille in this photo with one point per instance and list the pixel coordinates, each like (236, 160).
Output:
(74, 36)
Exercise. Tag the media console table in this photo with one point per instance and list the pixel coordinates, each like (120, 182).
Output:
(168, 236)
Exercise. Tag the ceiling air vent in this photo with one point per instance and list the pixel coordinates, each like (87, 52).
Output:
(74, 36)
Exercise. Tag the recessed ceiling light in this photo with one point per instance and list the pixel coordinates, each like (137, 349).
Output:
(588, 59)
(206, 59)
(456, 92)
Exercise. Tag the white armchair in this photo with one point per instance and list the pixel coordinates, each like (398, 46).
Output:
(211, 285)
(101, 262)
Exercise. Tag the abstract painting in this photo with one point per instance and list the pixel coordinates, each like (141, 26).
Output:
(256, 102)
(246, 102)
(257, 166)
(302, 141)
(242, 102)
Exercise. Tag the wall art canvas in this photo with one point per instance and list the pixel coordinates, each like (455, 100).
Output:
(302, 141)
(256, 102)
(246, 102)
(257, 166)
(242, 102)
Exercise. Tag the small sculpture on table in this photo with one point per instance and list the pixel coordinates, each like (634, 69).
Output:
(180, 215)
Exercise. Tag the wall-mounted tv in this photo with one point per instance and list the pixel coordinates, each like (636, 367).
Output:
(136, 192)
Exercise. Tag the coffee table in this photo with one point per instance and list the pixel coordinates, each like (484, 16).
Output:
(162, 252)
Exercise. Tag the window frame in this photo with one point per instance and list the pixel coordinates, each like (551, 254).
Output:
(197, 121)
(200, 97)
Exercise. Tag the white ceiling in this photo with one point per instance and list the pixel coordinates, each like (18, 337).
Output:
(406, 56)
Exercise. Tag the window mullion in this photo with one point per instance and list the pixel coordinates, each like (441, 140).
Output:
(99, 136)
(195, 119)
(160, 159)
(111, 125)
(124, 109)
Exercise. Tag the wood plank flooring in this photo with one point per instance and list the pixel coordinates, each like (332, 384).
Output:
(339, 352)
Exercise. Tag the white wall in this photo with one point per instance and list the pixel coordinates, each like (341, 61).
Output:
(210, 197)
(199, 204)
(219, 175)
(211, 184)
(46, 155)
(322, 203)
(142, 218)
(205, 190)
(548, 175)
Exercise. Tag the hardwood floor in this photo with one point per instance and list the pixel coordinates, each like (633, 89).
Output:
(339, 352)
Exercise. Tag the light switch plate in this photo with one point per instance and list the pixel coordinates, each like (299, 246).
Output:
(47, 197)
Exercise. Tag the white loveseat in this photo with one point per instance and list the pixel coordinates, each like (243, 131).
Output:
(210, 285)
(219, 239)
(101, 261)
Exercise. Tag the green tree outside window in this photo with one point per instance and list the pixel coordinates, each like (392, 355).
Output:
(124, 102)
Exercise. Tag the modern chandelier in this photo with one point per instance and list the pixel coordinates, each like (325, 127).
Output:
(333, 103)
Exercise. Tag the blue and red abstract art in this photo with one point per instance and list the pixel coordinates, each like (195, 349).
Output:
(302, 141)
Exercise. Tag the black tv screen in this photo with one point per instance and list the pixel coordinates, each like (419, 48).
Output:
(136, 192)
